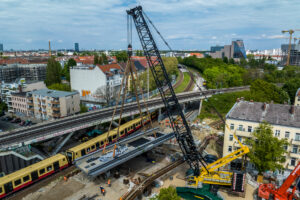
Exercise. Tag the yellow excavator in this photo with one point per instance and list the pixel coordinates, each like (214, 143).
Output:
(213, 175)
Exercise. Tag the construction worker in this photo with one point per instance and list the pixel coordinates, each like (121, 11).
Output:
(101, 190)
(108, 183)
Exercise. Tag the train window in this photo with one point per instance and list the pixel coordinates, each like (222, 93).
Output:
(64, 159)
(1, 190)
(93, 147)
(26, 178)
(42, 171)
(102, 143)
(49, 168)
(97, 145)
(122, 132)
(88, 150)
(17, 182)
(76, 153)
(114, 136)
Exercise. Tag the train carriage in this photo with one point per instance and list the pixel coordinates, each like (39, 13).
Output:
(98, 142)
(33, 173)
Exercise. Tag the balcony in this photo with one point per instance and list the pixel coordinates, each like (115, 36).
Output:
(56, 108)
(296, 141)
(55, 102)
(44, 105)
(56, 115)
(45, 112)
(243, 133)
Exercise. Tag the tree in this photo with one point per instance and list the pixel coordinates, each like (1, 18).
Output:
(104, 59)
(265, 92)
(122, 56)
(107, 93)
(3, 107)
(66, 70)
(83, 108)
(266, 150)
(225, 59)
(96, 59)
(60, 86)
(291, 87)
(53, 72)
(167, 194)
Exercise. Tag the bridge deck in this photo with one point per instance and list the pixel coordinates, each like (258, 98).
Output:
(98, 163)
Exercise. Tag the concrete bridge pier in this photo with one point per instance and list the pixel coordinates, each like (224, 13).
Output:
(200, 106)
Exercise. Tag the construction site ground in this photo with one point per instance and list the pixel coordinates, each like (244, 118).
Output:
(79, 186)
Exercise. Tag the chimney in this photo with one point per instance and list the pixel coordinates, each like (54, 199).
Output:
(292, 110)
(265, 106)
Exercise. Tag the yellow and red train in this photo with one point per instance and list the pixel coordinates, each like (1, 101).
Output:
(40, 170)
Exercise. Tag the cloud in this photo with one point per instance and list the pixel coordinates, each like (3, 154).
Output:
(193, 24)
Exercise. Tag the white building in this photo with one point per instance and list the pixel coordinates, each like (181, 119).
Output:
(86, 79)
(245, 116)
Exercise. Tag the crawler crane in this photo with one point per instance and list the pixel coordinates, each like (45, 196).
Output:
(207, 173)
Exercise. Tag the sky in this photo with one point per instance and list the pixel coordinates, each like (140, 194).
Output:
(185, 24)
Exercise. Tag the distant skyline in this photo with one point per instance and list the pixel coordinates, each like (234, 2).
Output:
(101, 24)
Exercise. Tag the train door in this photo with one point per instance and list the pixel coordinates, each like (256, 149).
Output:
(8, 187)
(70, 156)
(82, 152)
(56, 166)
(34, 176)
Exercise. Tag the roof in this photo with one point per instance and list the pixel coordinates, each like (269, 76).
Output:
(298, 92)
(276, 114)
(19, 94)
(138, 65)
(53, 93)
(107, 68)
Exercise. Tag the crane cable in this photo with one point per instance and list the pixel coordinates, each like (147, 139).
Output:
(195, 82)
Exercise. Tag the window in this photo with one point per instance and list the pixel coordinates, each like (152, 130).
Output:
(17, 182)
(297, 137)
(114, 136)
(231, 126)
(240, 128)
(295, 149)
(285, 147)
(25, 178)
(240, 138)
(42, 171)
(249, 129)
(293, 161)
(93, 147)
(230, 137)
(102, 143)
(277, 133)
(88, 150)
(287, 134)
(229, 148)
(1, 190)
(49, 168)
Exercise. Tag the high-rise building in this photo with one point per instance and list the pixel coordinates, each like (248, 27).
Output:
(216, 48)
(294, 54)
(77, 47)
(1, 47)
(236, 50)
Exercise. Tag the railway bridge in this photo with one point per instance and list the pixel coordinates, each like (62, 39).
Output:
(47, 130)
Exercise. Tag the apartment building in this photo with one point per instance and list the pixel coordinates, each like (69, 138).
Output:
(297, 98)
(86, 79)
(19, 103)
(52, 104)
(245, 116)
(31, 72)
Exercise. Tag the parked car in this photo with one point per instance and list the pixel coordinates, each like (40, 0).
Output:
(209, 158)
(22, 123)
(16, 120)
(7, 118)
(27, 123)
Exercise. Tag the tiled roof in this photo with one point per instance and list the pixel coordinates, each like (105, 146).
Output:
(279, 114)
(107, 68)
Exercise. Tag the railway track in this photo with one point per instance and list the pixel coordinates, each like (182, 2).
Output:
(190, 85)
(44, 129)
